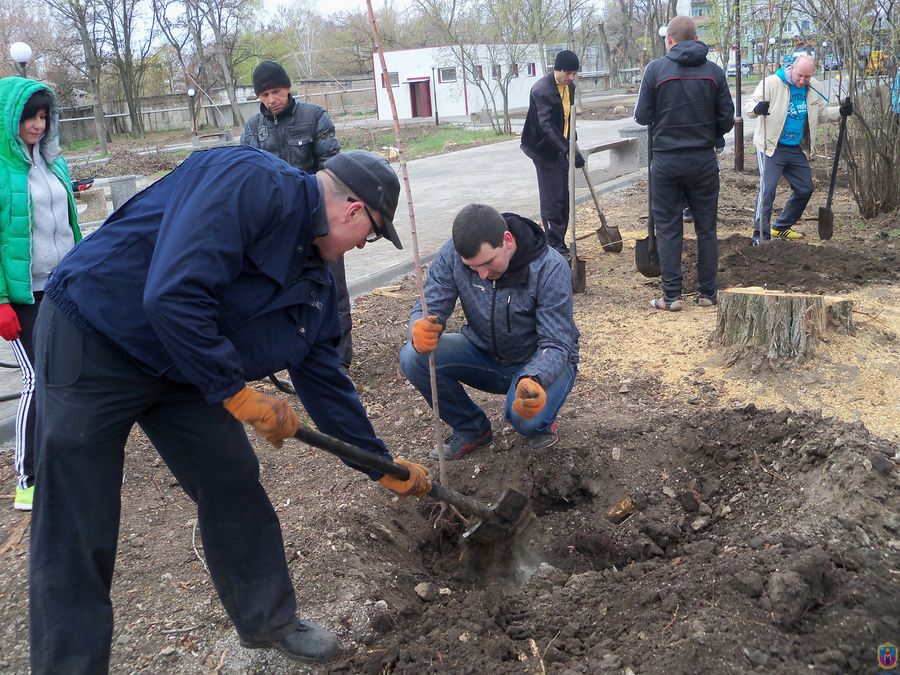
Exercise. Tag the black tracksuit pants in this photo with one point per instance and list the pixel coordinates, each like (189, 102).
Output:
(553, 189)
(89, 396)
(679, 178)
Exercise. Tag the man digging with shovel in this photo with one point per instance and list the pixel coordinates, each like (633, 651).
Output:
(792, 104)
(519, 339)
(213, 276)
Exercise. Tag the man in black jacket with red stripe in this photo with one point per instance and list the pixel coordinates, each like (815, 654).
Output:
(685, 100)
(545, 140)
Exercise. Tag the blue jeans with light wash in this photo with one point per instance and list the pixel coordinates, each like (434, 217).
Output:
(458, 362)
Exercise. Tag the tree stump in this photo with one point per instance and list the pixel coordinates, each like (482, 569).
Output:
(783, 324)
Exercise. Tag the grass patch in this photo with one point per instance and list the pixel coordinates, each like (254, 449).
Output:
(419, 140)
(75, 146)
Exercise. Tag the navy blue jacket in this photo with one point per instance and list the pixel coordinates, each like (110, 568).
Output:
(686, 99)
(209, 277)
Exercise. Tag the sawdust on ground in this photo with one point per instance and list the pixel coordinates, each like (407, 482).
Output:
(852, 377)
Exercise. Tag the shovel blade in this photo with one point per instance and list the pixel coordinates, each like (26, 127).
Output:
(610, 239)
(579, 275)
(646, 259)
(826, 223)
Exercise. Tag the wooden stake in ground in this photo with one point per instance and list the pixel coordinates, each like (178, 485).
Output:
(438, 436)
(785, 325)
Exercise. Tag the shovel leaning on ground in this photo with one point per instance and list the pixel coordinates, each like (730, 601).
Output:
(646, 257)
(497, 524)
(826, 215)
(610, 237)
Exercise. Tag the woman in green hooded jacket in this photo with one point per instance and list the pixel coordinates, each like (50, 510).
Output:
(38, 226)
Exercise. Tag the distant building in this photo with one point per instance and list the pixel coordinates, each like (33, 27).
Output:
(454, 81)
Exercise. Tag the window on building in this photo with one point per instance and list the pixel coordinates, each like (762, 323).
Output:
(495, 71)
(531, 69)
(479, 73)
(446, 74)
(394, 80)
(514, 69)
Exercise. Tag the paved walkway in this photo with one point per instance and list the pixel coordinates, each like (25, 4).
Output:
(497, 174)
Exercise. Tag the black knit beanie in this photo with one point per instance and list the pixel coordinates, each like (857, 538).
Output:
(566, 61)
(269, 75)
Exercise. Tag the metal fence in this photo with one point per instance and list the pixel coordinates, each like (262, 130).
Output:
(172, 112)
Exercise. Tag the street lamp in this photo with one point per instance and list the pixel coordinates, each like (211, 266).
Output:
(825, 58)
(191, 93)
(21, 54)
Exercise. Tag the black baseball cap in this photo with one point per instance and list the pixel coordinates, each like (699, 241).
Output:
(371, 178)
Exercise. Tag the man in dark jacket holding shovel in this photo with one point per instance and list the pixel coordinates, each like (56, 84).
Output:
(519, 339)
(685, 100)
(545, 140)
(211, 277)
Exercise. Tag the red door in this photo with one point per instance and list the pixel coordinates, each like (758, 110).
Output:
(420, 98)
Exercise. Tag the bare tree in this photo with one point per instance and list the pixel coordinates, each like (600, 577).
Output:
(303, 29)
(721, 29)
(83, 15)
(865, 36)
(224, 18)
(131, 43)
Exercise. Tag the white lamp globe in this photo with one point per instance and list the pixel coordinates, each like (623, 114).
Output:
(20, 52)
(191, 92)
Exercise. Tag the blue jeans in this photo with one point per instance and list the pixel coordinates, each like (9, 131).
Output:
(458, 362)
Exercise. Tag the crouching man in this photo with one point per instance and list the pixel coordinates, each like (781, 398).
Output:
(519, 339)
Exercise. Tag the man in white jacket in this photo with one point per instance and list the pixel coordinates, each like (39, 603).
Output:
(791, 104)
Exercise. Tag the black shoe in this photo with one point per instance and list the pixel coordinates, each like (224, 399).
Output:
(307, 643)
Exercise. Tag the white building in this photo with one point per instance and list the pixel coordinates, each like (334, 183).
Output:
(451, 81)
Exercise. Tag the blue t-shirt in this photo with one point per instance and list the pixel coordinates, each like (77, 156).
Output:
(792, 133)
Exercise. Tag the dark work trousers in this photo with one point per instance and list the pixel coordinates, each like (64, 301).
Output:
(89, 395)
(788, 161)
(345, 348)
(553, 190)
(23, 349)
(682, 177)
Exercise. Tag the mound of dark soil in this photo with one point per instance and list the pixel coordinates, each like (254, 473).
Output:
(759, 540)
(796, 265)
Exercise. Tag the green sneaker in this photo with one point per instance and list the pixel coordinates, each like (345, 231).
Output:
(23, 498)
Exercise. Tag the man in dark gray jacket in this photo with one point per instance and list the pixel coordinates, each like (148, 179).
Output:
(519, 339)
(302, 134)
(685, 100)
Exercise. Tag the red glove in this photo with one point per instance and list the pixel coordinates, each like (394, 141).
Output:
(530, 398)
(425, 334)
(9, 323)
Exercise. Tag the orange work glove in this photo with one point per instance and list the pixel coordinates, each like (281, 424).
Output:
(425, 334)
(530, 398)
(9, 323)
(418, 483)
(272, 417)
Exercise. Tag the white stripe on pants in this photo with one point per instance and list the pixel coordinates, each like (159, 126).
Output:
(24, 404)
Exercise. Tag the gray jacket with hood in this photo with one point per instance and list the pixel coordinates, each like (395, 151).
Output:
(524, 316)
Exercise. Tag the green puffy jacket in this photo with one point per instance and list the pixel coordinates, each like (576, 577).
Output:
(15, 204)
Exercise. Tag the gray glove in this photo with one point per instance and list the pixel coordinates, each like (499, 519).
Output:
(761, 108)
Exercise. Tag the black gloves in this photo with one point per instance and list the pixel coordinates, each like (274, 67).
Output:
(846, 108)
(761, 108)
(579, 159)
